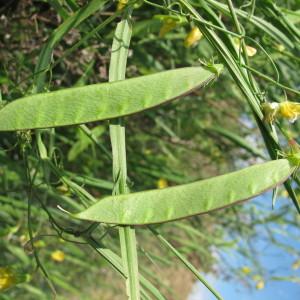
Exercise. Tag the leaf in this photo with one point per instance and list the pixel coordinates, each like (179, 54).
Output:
(292, 16)
(101, 101)
(260, 23)
(116, 262)
(158, 206)
(294, 279)
(84, 142)
(241, 78)
(57, 35)
(189, 265)
(239, 141)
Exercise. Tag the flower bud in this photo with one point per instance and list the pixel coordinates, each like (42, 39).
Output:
(11, 276)
(193, 37)
(260, 285)
(162, 183)
(58, 256)
(121, 4)
(251, 51)
(167, 26)
(270, 111)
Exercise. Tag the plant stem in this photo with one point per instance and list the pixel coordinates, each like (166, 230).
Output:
(117, 135)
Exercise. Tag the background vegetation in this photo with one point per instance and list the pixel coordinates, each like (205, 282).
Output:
(209, 132)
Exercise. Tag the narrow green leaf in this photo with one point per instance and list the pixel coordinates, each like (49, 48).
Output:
(71, 22)
(260, 23)
(90, 181)
(101, 101)
(190, 266)
(294, 279)
(239, 141)
(158, 206)
(292, 16)
(84, 142)
(62, 12)
(116, 262)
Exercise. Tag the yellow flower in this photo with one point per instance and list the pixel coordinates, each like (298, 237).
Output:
(23, 238)
(169, 22)
(284, 193)
(58, 256)
(10, 276)
(121, 4)
(270, 111)
(256, 277)
(289, 110)
(250, 51)
(147, 151)
(260, 285)
(296, 264)
(168, 25)
(6, 278)
(162, 183)
(246, 270)
(280, 48)
(193, 37)
(39, 244)
(64, 189)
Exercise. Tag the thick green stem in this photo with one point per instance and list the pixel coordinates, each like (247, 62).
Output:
(117, 134)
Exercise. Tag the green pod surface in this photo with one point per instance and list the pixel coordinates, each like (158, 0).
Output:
(159, 206)
(101, 101)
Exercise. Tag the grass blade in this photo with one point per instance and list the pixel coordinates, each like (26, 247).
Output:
(236, 140)
(116, 262)
(186, 263)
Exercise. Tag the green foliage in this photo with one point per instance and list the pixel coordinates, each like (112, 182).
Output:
(65, 47)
